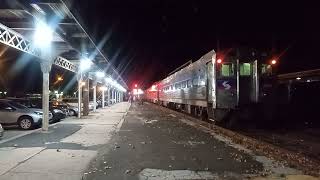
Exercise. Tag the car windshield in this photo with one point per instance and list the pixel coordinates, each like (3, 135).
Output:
(17, 105)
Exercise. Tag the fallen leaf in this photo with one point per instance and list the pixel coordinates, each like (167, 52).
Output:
(128, 171)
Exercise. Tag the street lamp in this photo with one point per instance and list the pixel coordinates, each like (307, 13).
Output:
(42, 38)
(59, 79)
(85, 64)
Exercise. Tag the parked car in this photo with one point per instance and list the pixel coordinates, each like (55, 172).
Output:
(71, 110)
(12, 113)
(36, 103)
(1, 131)
(74, 102)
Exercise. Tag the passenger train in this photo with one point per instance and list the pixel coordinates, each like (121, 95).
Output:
(229, 88)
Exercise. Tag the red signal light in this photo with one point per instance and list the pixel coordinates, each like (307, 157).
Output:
(136, 85)
(273, 62)
(219, 61)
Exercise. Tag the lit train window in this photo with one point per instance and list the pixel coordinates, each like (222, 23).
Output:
(202, 80)
(245, 69)
(227, 70)
(266, 69)
(189, 83)
(184, 84)
(195, 82)
(178, 86)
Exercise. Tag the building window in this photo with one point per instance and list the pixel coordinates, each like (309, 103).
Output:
(245, 69)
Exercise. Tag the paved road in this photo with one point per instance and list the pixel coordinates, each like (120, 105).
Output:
(153, 144)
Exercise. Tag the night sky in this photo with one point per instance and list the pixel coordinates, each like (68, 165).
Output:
(154, 37)
(149, 39)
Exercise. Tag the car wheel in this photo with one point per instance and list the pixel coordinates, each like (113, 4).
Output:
(25, 122)
(72, 113)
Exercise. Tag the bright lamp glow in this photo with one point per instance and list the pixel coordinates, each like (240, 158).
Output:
(153, 88)
(43, 34)
(109, 80)
(102, 88)
(85, 64)
(137, 91)
(274, 61)
(113, 83)
(100, 74)
(219, 61)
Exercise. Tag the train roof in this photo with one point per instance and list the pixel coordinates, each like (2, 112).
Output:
(208, 56)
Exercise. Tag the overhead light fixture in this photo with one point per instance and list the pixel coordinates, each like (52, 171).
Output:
(113, 83)
(100, 74)
(43, 35)
(85, 64)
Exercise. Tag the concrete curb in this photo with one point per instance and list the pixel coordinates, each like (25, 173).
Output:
(122, 119)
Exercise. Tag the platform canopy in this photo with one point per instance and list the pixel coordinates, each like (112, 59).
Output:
(18, 20)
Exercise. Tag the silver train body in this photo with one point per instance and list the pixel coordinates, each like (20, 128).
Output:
(215, 89)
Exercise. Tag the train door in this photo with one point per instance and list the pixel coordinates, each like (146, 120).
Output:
(226, 85)
(245, 83)
(248, 82)
(211, 89)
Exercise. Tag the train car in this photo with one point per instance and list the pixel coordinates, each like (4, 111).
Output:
(227, 88)
(152, 94)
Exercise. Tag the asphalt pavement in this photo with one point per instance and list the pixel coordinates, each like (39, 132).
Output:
(154, 144)
(145, 142)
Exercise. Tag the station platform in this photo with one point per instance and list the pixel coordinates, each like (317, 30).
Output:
(64, 151)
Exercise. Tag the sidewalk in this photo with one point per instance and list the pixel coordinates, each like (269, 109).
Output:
(65, 151)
